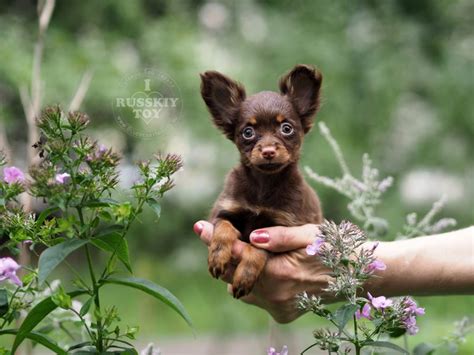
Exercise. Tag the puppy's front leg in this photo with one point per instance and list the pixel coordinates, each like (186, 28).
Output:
(220, 249)
(248, 271)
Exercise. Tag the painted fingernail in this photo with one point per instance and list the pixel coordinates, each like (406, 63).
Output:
(260, 236)
(198, 227)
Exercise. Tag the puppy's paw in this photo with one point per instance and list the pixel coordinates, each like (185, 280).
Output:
(242, 286)
(247, 273)
(218, 261)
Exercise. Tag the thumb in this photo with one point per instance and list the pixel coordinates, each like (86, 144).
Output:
(281, 239)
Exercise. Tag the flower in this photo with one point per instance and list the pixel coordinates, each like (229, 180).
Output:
(313, 249)
(12, 175)
(410, 325)
(376, 265)
(365, 312)
(380, 302)
(412, 307)
(272, 351)
(62, 178)
(102, 149)
(8, 268)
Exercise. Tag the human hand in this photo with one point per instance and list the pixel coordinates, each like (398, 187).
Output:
(288, 272)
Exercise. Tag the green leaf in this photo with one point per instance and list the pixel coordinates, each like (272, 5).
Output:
(114, 243)
(154, 290)
(155, 206)
(43, 215)
(86, 306)
(424, 349)
(36, 315)
(39, 338)
(103, 202)
(113, 228)
(3, 302)
(343, 314)
(53, 256)
(386, 344)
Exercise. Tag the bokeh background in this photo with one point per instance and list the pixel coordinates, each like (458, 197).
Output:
(398, 84)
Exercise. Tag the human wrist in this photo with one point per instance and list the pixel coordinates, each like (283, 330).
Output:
(390, 281)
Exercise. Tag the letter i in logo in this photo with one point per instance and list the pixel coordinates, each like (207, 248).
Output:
(147, 85)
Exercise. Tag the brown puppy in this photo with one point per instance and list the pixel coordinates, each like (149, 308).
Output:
(266, 188)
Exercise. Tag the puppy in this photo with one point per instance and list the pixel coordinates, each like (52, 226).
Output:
(266, 189)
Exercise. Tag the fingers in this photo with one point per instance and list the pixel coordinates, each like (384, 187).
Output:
(282, 239)
(204, 230)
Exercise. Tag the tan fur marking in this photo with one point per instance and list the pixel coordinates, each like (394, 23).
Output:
(280, 118)
(229, 205)
(253, 120)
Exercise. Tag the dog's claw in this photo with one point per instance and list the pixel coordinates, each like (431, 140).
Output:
(218, 263)
(216, 271)
(240, 292)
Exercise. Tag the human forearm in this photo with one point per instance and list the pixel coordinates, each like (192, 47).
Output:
(432, 265)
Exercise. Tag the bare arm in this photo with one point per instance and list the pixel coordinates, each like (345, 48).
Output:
(433, 265)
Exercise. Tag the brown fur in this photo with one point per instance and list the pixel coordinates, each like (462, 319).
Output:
(266, 188)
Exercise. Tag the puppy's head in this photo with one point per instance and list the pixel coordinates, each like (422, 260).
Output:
(268, 127)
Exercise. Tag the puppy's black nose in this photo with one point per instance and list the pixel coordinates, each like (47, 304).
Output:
(269, 152)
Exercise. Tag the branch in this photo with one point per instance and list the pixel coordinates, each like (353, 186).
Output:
(81, 91)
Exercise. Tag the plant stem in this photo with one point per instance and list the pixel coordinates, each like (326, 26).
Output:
(95, 288)
(125, 230)
(405, 342)
(309, 347)
(356, 339)
(83, 322)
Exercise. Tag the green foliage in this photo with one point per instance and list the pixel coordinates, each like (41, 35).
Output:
(154, 290)
(76, 177)
(55, 255)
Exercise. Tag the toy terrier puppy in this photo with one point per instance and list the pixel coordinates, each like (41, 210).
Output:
(266, 189)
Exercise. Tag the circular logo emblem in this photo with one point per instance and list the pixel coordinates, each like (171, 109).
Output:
(147, 104)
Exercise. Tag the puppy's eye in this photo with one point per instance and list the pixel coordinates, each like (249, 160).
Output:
(286, 129)
(248, 133)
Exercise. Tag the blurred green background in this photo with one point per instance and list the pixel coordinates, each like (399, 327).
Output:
(398, 84)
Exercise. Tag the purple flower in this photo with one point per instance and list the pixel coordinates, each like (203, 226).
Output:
(365, 312)
(380, 302)
(412, 307)
(313, 248)
(12, 175)
(8, 268)
(272, 351)
(376, 265)
(102, 149)
(410, 325)
(62, 178)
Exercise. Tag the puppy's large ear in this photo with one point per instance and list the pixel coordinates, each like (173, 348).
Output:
(301, 85)
(223, 97)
